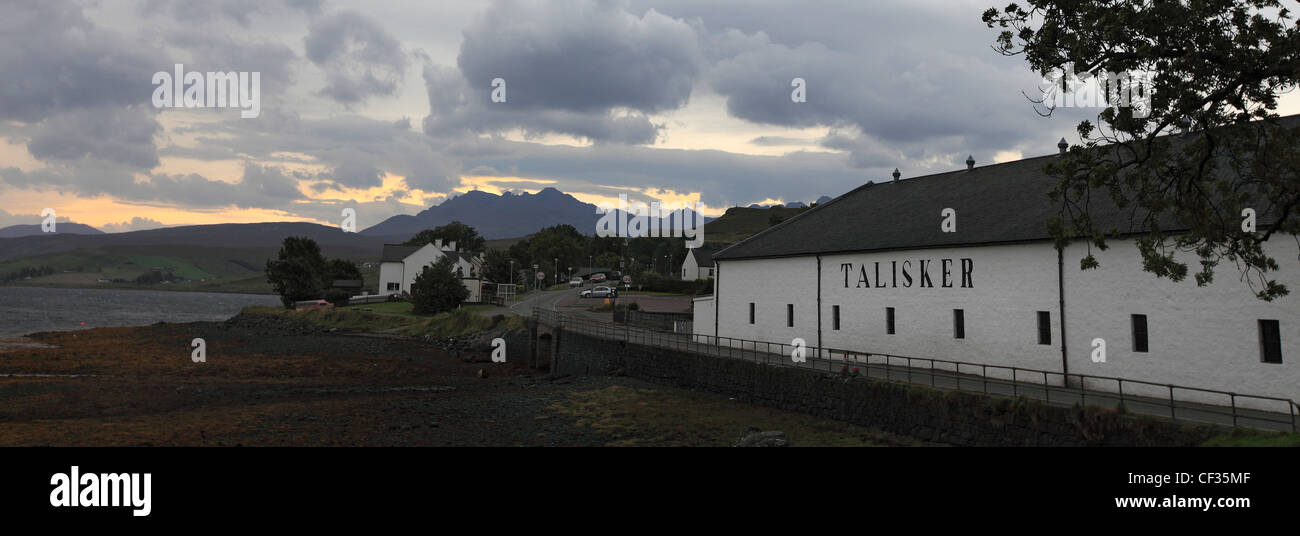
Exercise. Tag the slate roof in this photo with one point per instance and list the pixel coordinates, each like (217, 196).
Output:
(703, 257)
(997, 203)
(397, 252)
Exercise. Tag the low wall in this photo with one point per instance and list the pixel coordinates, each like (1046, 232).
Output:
(953, 417)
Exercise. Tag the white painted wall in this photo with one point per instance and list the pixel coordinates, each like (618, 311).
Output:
(1204, 337)
(390, 272)
(405, 272)
(1199, 337)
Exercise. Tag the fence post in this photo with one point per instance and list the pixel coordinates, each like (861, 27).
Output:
(1015, 391)
(1172, 411)
(1234, 408)
(984, 374)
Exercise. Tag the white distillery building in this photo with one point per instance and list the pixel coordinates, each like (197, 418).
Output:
(399, 264)
(873, 272)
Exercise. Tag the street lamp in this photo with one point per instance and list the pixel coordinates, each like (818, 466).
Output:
(557, 270)
(536, 285)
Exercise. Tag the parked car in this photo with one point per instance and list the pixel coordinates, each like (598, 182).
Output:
(596, 278)
(313, 304)
(599, 292)
(575, 282)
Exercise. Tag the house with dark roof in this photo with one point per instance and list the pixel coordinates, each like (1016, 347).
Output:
(399, 264)
(698, 264)
(959, 266)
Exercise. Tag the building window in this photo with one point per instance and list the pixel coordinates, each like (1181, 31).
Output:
(835, 317)
(1139, 333)
(889, 320)
(751, 312)
(710, 272)
(1270, 341)
(958, 324)
(394, 286)
(1044, 327)
(789, 315)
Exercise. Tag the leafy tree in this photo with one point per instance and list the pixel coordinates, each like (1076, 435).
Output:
(1219, 67)
(437, 289)
(297, 273)
(496, 266)
(467, 239)
(336, 269)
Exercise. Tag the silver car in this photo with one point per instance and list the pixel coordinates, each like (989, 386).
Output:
(599, 292)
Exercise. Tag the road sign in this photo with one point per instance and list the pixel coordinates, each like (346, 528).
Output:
(541, 276)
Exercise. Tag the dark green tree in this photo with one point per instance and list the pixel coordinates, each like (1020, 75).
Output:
(467, 239)
(496, 266)
(298, 271)
(336, 269)
(437, 288)
(1219, 67)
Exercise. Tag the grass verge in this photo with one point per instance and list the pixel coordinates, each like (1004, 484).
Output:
(657, 417)
(1244, 437)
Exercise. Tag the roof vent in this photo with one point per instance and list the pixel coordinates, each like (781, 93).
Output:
(897, 174)
(970, 162)
(1062, 145)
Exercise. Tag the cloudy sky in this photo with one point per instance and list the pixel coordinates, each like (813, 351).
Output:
(385, 107)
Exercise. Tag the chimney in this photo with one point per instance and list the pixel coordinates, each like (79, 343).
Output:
(438, 244)
(896, 174)
(1062, 145)
(451, 246)
(970, 162)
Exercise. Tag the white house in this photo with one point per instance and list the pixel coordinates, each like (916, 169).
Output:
(698, 264)
(399, 264)
(872, 271)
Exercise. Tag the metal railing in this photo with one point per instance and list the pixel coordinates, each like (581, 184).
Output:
(1137, 396)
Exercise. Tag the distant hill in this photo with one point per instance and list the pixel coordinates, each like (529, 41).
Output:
(333, 241)
(14, 231)
(508, 215)
(739, 223)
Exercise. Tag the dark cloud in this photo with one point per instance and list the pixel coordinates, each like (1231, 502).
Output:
(242, 12)
(360, 58)
(123, 135)
(455, 108)
(584, 68)
(582, 56)
(54, 59)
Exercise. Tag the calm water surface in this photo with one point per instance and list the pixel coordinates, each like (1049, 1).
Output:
(26, 310)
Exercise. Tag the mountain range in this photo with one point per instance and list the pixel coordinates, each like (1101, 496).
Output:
(507, 215)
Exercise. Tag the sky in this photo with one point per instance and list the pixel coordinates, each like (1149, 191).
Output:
(387, 107)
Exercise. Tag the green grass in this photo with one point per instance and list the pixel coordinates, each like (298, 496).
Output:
(1242, 437)
(669, 417)
(461, 321)
(392, 308)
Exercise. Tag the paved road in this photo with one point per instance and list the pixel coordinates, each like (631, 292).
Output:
(1033, 388)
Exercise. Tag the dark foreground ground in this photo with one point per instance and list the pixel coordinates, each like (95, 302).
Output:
(138, 386)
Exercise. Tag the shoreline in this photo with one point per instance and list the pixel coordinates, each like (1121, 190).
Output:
(159, 288)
